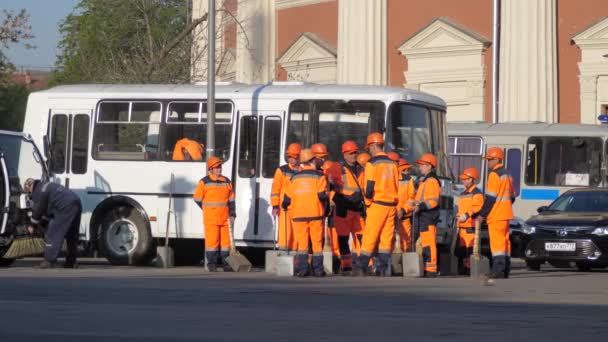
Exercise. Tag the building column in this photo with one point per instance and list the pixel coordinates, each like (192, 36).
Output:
(589, 99)
(255, 52)
(528, 61)
(362, 35)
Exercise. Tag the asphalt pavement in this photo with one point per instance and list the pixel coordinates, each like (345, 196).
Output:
(99, 302)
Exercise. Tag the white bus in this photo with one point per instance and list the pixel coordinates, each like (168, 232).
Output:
(544, 160)
(113, 144)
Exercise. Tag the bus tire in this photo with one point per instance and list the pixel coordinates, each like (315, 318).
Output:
(124, 237)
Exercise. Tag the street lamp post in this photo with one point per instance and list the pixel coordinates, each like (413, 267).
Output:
(210, 145)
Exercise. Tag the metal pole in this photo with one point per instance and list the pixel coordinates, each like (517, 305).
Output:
(495, 59)
(210, 145)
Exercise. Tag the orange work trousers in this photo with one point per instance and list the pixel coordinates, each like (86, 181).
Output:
(217, 238)
(428, 240)
(404, 229)
(285, 233)
(347, 227)
(500, 246)
(379, 229)
(306, 231)
(466, 239)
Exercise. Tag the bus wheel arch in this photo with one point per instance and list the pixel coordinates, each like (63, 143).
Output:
(120, 230)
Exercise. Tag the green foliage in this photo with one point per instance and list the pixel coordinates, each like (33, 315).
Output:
(118, 41)
(13, 99)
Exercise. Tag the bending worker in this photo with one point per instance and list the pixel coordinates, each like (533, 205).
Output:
(469, 206)
(381, 177)
(63, 209)
(215, 196)
(498, 211)
(308, 200)
(280, 183)
(186, 149)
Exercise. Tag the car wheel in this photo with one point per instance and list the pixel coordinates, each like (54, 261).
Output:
(533, 265)
(582, 267)
(124, 238)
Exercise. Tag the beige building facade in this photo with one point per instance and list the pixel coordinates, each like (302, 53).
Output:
(552, 63)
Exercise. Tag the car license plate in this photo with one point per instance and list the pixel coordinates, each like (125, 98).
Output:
(560, 246)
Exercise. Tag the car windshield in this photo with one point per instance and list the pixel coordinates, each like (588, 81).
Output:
(580, 202)
(22, 160)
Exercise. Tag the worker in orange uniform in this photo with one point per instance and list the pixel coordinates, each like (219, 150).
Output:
(308, 199)
(348, 204)
(215, 196)
(282, 177)
(469, 206)
(319, 150)
(186, 149)
(426, 210)
(331, 236)
(381, 177)
(498, 211)
(362, 159)
(404, 216)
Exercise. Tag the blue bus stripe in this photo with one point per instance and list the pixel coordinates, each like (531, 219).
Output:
(539, 194)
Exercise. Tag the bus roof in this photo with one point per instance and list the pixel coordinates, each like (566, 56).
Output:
(525, 129)
(274, 90)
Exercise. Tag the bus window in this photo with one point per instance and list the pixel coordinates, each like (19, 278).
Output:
(185, 134)
(272, 146)
(464, 152)
(80, 142)
(409, 133)
(59, 134)
(514, 167)
(248, 146)
(298, 124)
(338, 122)
(127, 130)
(439, 136)
(563, 161)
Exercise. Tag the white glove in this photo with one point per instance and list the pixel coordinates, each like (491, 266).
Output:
(463, 218)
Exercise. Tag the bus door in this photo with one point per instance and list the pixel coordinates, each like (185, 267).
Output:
(258, 154)
(4, 193)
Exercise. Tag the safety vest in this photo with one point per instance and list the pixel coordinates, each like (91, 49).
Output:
(406, 193)
(500, 189)
(470, 203)
(428, 195)
(216, 197)
(382, 179)
(306, 195)
(280, 183)
(349, 193)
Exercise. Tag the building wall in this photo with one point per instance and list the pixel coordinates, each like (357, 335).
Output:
(573, 17)
(406, 17)
(320, 18)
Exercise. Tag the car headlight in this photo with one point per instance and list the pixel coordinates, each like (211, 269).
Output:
(601, 231)
(528, 229)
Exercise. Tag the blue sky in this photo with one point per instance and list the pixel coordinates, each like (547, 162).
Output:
(45, 16)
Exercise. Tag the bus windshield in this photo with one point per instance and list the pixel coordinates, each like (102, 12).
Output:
(413, 130)
(22, 159)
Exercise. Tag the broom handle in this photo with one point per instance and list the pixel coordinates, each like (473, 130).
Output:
(231, 234)
(274, 232)
(169, 211)
(477, 242)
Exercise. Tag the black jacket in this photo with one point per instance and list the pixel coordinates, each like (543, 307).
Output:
(49, 199)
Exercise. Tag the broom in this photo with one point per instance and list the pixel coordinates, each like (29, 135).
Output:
(25, 245)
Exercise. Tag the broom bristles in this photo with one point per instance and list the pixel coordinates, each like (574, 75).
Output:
(25, 246)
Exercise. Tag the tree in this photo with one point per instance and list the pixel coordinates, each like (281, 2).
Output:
(136, 41)
(14, 28)
(13, 100)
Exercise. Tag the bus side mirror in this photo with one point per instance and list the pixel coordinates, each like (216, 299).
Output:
(542, 208)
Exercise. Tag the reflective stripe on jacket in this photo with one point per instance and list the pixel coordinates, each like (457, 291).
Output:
(216, 197)
(500, 195)
(307, 195)
(280, 183)
(382, 179)
(470, 204)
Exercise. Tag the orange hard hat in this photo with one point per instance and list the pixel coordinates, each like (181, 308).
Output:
(394, 156)
(349, 146)
(374, 138)
(213, 162)
(306, 155)
(363, 158)
(470, 173)
(495, 153)
(403, 164)
(427, 158)
(293, 150)
(319, 150)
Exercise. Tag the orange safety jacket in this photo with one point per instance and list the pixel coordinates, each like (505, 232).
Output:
(470, 204)
(280, 183)
(406, 194)
(382, 180)
(307, 195)
(428, 195)
(192, 148)
(349, 194)
(500, 195)
(216, 197)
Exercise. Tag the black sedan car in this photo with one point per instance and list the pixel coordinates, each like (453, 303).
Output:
(573, 229)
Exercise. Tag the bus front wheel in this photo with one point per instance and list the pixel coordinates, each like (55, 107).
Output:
(124, 238)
